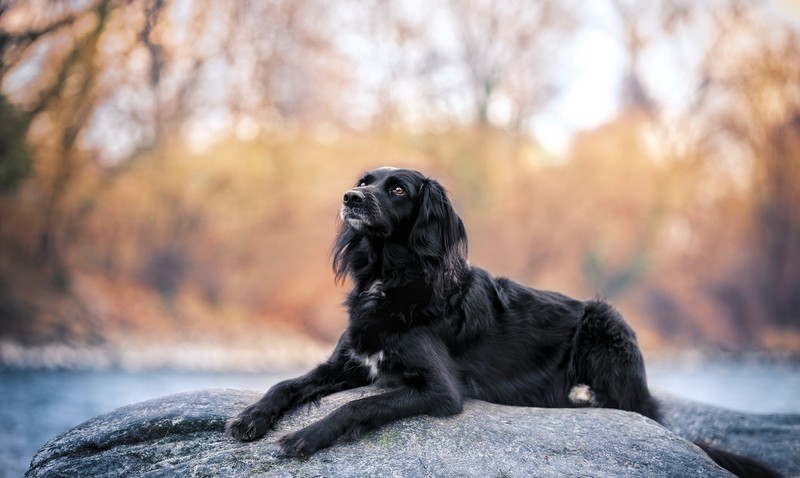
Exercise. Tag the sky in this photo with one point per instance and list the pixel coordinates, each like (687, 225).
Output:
(588, 74)
(591, 81)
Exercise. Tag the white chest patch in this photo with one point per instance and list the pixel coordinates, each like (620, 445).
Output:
(373, 362)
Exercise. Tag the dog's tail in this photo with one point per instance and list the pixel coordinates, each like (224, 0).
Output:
(740, 466)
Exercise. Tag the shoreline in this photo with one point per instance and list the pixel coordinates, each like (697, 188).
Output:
(290, 352)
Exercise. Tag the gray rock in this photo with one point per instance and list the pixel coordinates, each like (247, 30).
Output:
(182, 435)
(773, 439)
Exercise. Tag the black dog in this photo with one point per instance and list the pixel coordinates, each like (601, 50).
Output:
(435, 330)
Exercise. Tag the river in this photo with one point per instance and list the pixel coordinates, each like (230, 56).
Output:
(38, 405)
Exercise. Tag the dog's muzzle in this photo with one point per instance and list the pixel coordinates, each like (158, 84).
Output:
(353, 211)
(353, 198)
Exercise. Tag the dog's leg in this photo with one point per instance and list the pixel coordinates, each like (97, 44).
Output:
(359, 416)
(333, 376)
(610, 363)
(429, 388)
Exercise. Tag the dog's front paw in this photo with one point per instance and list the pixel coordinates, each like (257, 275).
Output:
(302, 443)
(249, 425)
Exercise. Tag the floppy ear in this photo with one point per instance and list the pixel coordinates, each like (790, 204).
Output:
(343, 244)
(438, 234)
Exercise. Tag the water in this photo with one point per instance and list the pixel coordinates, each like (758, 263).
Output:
(756, 387)
(37, 406)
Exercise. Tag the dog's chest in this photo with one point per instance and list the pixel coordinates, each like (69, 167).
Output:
(372, 344)
(378, 298)
(372, 362)
(379, 317)
(369, 345)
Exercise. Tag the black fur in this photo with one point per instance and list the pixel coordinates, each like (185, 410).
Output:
(435, 330)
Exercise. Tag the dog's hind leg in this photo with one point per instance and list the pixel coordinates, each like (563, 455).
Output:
(608, 360)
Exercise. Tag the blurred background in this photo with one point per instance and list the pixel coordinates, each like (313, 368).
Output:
(171, 170)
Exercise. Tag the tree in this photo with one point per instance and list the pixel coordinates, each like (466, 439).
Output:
(508, 48)
(749, 97)
(94, 88)
(105, 81)
(455, 62)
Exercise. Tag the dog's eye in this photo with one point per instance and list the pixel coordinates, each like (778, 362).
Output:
(398, 191)
(362, 184)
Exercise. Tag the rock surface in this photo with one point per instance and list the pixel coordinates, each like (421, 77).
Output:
(182, 435)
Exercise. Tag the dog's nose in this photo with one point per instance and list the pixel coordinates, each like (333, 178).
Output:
(353, 198)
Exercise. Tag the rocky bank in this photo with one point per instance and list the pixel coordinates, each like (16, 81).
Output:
(182, 435)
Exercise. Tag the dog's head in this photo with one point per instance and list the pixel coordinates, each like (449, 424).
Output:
(403, 207)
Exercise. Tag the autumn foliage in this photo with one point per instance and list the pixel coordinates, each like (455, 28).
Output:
(689, 224)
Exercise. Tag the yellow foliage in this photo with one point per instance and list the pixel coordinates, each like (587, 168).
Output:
(190, 245)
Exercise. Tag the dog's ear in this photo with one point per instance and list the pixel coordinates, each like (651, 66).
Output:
(343, 243)
(438, 234)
